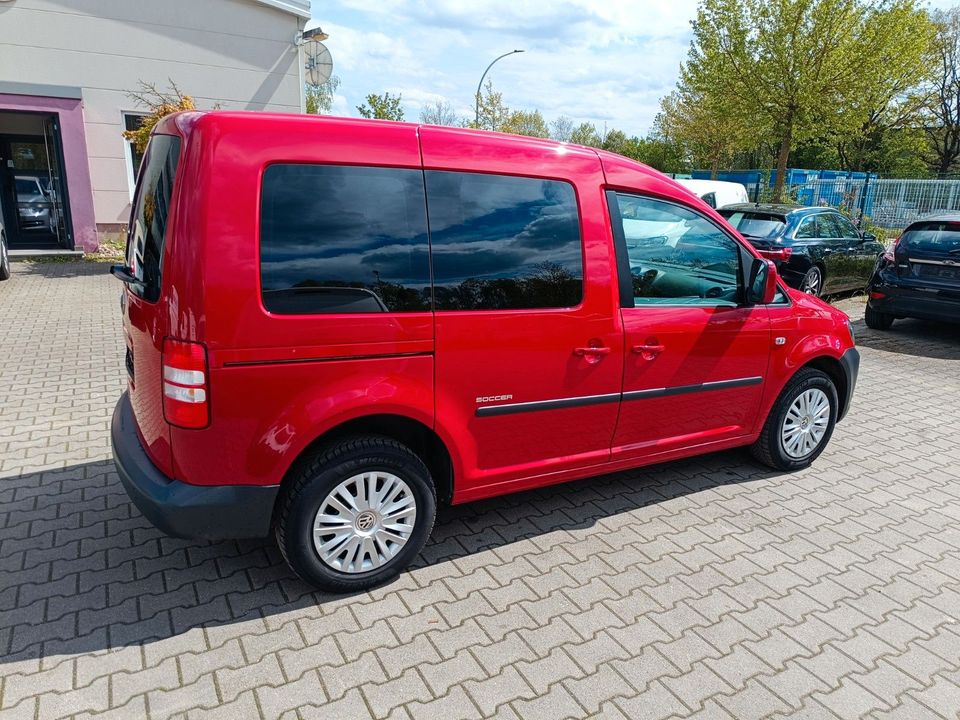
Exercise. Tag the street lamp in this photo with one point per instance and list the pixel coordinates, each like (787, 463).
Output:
(476, 119)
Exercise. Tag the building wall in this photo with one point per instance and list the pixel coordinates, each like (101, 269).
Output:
(235, 54)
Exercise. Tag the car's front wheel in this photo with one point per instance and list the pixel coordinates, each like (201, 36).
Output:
(800, 423)
(4, 258)
(877, 320)
(356, 515)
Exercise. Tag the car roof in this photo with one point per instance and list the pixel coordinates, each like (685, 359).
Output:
(783, 209)
(938, 217)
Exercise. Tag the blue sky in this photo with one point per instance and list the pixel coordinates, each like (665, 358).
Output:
(604, 61)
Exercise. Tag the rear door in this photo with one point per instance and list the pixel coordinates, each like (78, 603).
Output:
(529, 351)
(144, 314)
(841, 268)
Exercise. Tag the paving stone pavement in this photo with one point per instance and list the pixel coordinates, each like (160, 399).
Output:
(710, 588)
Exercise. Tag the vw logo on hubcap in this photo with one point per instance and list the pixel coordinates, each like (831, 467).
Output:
(366, 520)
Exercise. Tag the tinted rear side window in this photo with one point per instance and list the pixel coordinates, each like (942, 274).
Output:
(504, 243)
(336, 239)
(148, 221)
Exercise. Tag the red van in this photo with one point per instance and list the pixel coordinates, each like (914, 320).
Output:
(332, 325)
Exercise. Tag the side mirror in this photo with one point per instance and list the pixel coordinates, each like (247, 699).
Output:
(869, 237)
(763, 282)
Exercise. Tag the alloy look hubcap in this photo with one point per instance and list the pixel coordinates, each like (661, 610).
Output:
(812, 282)
(364, 522)
(806, 423)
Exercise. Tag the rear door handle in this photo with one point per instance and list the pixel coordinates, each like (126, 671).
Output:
(648, 349)
(592, 351)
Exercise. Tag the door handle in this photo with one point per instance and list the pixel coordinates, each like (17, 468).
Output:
(648, 349)
(591, 351)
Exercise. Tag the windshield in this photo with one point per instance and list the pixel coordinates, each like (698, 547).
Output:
(27, 187)
(933, 237)
(756, 225)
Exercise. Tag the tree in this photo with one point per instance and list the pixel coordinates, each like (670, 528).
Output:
(943, 128)
(787, 66)
(382, 107)
(523, 122)
(703, 125)
(439, 113)
(320, 97)
(561, 129)
(493, 113)
(586, 134)
(901, 38)
(159, 103)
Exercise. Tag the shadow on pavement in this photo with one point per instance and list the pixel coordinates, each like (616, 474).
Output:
(81, 570)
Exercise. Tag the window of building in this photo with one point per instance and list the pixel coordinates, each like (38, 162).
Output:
(337, 239)
(676, 255)
(504, 243)
(132, 121)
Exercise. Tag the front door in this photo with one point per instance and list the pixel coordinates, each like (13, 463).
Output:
(529, 351)
(695, 355)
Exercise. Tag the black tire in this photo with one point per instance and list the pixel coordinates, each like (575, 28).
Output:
(301, 500)
(4, 259)
(877, 320)
(812, 282)
(769, 448)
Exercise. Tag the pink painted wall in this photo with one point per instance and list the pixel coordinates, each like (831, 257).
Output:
(76, 167)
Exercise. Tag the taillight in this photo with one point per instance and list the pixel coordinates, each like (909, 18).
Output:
(186, 398)
(891, 252)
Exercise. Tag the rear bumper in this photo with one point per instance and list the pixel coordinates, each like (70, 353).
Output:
(850, 362)
(179, 509)
(932, 304)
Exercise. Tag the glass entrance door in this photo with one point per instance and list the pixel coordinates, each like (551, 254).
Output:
(32, 190)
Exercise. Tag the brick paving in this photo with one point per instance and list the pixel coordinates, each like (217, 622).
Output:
(710, 588)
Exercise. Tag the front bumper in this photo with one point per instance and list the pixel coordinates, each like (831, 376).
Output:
(189, 511)
(924, 304)
(850, 362)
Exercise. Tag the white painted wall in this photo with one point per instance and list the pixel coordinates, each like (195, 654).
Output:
(238, 54)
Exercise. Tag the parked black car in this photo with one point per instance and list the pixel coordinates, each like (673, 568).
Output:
(919, 277)
(817, 249)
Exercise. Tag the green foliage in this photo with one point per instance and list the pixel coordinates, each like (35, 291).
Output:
(492, 113)
(943, 113)
(382, 107)
(320, 97)
(159, 103)
(586, 134)
(791, 71)
(523, 122)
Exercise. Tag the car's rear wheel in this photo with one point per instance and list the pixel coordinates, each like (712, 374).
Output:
(4, 258)
(812, 282)
(356, 514)
(877, 320)
(800, 423)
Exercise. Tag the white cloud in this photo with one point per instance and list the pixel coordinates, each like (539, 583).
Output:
(601, 61)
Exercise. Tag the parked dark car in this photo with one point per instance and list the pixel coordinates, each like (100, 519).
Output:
(817, 249)
(919, 277)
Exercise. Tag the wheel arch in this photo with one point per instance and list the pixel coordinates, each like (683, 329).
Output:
(420, 438)
(831, 367)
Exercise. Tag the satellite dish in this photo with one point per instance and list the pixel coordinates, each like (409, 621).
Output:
(319, 63)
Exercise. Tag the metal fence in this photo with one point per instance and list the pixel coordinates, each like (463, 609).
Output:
(886, 203)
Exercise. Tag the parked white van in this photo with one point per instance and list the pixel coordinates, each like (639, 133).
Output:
(717, 193)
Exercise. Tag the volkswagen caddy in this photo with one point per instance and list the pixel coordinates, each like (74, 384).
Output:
(334, 325)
